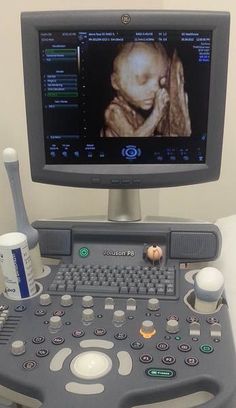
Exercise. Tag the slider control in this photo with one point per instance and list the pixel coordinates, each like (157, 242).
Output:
(215, 330)
(109, 303)
(194, 329)
(131, 304)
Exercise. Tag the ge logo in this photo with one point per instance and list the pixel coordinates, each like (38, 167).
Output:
(125, 18)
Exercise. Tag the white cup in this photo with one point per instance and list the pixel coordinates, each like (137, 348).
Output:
(16, 266)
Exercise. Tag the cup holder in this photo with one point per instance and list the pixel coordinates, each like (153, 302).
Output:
(39, 289)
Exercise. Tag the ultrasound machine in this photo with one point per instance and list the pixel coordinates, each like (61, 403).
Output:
(122, 319)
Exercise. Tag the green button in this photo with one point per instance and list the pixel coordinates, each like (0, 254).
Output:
(160, 373)
(206, 348)
(84, 252)
(177, 338)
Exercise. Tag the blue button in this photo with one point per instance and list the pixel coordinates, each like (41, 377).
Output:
(131, 152)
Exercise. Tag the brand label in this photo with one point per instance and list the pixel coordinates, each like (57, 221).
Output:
(8, 290)
(111, 252)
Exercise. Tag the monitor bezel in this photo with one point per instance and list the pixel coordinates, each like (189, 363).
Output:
(125, 175)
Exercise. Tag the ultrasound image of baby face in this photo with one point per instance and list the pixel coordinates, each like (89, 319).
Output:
(150, 98)
(139, 73)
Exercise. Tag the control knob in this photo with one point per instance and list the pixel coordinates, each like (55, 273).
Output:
(45, 299)
(18, 347)
(66, 300)
(88, 315)
(147, 329)
(118, 317)
(55, 323)
(153, 304)
(87, 301)
(172, 326)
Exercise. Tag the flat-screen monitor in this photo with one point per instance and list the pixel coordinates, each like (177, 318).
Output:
(125, 99)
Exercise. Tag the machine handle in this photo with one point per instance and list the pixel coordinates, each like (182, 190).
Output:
(222, 400)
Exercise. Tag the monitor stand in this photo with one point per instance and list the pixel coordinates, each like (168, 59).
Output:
(124, 205)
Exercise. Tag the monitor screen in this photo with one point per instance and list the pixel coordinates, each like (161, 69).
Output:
(125, 104)
(112, 97)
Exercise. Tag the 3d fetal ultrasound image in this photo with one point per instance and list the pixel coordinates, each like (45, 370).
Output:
(146, 89)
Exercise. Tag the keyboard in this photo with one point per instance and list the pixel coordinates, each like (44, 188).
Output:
(138, 281)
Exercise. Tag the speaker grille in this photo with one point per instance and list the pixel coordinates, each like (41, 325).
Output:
(54, 242)
(193, 245)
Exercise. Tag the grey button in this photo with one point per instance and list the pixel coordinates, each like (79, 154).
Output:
(124, 289)
(103, 289)
(105, 344)
(84, 389)
(59, 358)
(125, 363)
(142, 291)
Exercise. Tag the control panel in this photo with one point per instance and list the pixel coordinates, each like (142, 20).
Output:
(88, 348)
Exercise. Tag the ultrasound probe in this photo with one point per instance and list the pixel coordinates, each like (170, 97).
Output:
(208, 286)
(11, 163)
